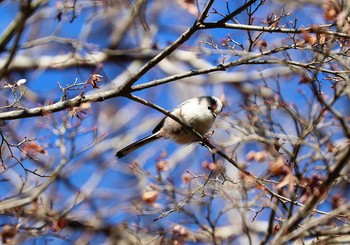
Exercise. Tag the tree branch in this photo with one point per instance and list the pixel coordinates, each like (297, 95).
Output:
(319, 29)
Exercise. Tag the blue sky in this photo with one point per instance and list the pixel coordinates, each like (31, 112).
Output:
(117, 179)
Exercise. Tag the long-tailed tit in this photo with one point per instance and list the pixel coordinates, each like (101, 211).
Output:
(199, 113)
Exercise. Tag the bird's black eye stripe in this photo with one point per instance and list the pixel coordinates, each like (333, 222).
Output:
(212, 102)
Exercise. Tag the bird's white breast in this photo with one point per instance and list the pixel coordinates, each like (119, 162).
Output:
(194, 113)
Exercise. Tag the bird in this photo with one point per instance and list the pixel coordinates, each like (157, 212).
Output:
(198, 113)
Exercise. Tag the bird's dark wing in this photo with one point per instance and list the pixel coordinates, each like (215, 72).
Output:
(159, 126)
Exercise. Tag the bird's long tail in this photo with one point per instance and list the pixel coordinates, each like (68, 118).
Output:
(136, 145)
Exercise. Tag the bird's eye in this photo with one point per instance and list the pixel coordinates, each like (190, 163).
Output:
(209, 107)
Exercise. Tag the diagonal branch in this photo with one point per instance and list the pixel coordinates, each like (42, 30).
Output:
(236, 12)
(313, 201)
(7, 35)
(168, 50)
